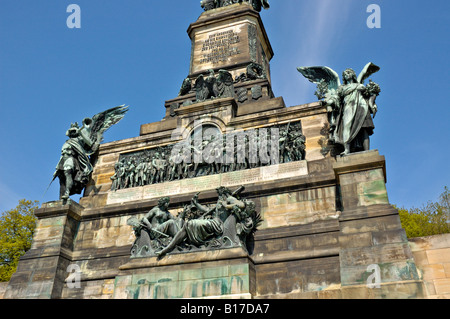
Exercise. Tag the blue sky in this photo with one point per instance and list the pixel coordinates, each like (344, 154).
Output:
(137, 53)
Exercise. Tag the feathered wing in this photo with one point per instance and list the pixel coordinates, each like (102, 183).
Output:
(318, 74)
(224, 86)
(201, 89)
(368, 70)
(250, 227)
(101, 122)
(257, 221)
(186, 87)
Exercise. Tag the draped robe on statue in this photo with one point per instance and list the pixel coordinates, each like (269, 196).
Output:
(78, 163)
(354, 115)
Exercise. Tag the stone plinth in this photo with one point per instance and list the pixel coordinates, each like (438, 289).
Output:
(362, 179)
(225, 273)
(316, 241)
(42, 271)
(371, 234)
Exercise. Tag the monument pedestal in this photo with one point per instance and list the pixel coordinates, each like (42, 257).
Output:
(374, 248)
(227, 273)
(327, 231)
(42, 271)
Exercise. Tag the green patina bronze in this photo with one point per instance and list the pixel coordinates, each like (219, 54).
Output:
(258, 5)
(350, 105)
(76, 165)
(230, 223)
(219, 153)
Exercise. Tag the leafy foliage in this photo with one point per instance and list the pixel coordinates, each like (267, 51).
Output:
(16, 234)
(432, 219)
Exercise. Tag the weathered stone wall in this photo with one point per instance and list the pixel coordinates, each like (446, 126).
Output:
(317, 240)
(432, 256)
(3, 286)
(103, 241)
(228, 273)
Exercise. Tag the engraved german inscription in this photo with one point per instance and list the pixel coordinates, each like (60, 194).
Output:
(218, 47)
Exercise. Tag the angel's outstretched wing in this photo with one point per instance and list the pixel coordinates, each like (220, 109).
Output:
(101, 122)
(368, 70)
(318, 74)
(186, 87)
(257, 221)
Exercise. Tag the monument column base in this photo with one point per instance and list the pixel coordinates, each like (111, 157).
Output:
(42, 271)
(374, 248)
(226, 273)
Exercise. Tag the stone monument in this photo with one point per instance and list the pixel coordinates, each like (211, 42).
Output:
(232, 194)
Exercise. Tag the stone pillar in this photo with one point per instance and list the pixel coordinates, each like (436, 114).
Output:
(42, 271)
(374, 248)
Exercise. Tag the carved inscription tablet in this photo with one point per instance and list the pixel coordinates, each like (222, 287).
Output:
(218, 47)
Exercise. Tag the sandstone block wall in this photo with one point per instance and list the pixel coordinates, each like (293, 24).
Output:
(3, 286)
(432, 256)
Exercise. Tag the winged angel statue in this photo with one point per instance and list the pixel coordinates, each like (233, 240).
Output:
(350, 105)
(75, 167)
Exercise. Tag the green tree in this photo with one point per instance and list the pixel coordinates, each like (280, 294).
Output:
(432, 219)
(16, 234)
